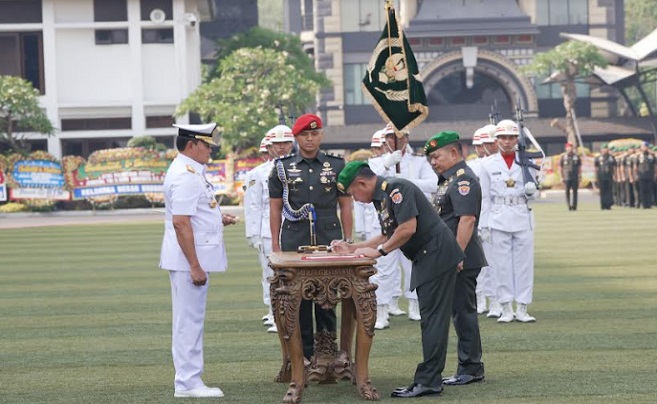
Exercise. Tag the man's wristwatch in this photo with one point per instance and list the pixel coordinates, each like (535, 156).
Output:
(381, 250)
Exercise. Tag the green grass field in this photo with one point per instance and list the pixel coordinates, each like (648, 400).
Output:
(85, 317)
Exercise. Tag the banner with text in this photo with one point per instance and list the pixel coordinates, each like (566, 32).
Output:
(38, 176)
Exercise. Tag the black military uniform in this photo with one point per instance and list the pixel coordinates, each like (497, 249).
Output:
(605, 165)
(570, 166)
(645, 169)
(459, 194)
(310, 181)
(435, 255)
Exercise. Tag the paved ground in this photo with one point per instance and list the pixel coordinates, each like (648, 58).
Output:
(19, 220)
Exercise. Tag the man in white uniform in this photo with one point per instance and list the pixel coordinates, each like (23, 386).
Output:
(511, 224)
(416, 169)
(192, 247)
(280, 141)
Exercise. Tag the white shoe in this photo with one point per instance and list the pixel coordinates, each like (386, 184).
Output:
(269, 315)
(272, 329)
(199, 392)
(495, 310)
(481, 303)
(522, 315)
(393, 308)
(414, 310)
(507, 313)
(381, 317)
(270, 321)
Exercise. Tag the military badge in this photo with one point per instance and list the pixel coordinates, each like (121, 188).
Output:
(213, 204)
(464, 187)
(510, 183)
(293, 168)
(313, 125)
(327, 164)
(460, 172)
(323, 180)
(190, 169)
(340, 187)
(396, 196)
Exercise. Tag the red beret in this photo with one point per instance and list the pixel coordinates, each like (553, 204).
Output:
(568, 144)
(306, 122)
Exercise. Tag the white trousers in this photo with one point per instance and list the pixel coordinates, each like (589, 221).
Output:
(263, 253)
(389, 278)
(513, 261)
(188, 304)
(486, 282)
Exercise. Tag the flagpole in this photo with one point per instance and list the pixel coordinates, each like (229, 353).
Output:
(389, 4)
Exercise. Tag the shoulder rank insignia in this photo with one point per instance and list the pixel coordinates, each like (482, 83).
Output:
(460, 172)
(190, 169)
(384, 184)
(252, 183)
(396, 196)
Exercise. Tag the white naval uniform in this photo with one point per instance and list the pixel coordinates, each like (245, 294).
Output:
(417, 170)
(512, 229)
(188, 193)
(256, 207)
(486, 278)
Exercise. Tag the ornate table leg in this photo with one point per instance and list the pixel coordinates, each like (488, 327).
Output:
(365, 302)
(342, 365)
(286, 299)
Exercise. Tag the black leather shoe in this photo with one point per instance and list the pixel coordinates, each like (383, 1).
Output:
(460, 380)
(415, 390)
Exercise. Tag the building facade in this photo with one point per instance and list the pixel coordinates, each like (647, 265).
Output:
(108, 70)
(470, 54)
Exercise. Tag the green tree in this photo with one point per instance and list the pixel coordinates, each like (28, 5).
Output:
(640, 19)
(571, 60)
(20, 113)
(251, 82)
(263, 38)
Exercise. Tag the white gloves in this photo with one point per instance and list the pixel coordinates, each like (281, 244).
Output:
(255, 242)
(485, 235)
(390, 159)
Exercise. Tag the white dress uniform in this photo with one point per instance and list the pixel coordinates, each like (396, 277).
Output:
(511, 223)
(417, 170)
(188, 193)
(485, 280)
(256, 207)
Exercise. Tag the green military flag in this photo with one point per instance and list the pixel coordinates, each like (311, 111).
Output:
(393, 81)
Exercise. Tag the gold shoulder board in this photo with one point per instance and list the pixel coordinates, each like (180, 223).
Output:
(190, 169)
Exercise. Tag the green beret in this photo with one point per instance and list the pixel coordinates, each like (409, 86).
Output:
(604, 146)
(349, 172)
(440, 140)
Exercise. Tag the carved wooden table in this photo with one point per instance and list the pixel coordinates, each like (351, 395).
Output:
(325, 278)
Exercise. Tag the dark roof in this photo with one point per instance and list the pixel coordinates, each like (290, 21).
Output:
(602, 129)
(459, 17)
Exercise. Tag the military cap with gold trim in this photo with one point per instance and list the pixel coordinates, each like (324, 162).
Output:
(306, 122)
(440, 140)
(207, 132)
(349, 172)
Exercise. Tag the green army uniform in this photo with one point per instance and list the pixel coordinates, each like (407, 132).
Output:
(459, 194)
(435, 255)
(570, 166)
(310, 181)
(645, 168)
(605, 165)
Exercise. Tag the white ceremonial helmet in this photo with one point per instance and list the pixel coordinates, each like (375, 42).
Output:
(488, 134)
(280, 134)
(263, 145)
(507, 127)
(377, 139)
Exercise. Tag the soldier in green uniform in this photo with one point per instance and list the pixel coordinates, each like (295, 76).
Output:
(409, 222)
(632, 184)
(458, 202)
(645, 174)
(605, 166)
(310, 177)
(570, 166)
